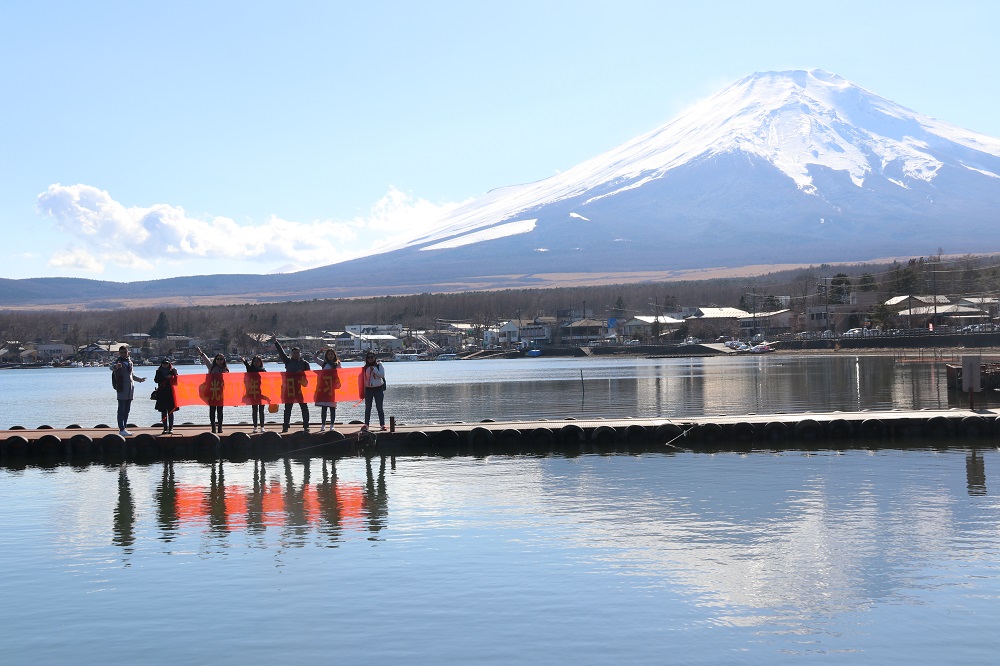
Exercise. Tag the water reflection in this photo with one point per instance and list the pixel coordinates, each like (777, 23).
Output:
(703, 556)
(766, 542)
(124, 518)
(975, 472)
(165, 497)
(669, 388)
(280, 495)
(377, 500)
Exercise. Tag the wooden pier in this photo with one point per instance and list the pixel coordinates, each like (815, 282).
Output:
(76, 445)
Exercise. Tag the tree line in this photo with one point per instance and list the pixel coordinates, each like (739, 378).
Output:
(965, 276)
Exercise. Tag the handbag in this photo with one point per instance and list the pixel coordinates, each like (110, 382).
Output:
(154, 395)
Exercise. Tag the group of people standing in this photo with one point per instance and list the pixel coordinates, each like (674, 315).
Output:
(373, 382)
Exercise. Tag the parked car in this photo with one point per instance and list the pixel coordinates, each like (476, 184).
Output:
(692, 341)
(855, 333)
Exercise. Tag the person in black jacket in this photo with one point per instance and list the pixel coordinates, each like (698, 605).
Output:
(293, 363)
(166, 403)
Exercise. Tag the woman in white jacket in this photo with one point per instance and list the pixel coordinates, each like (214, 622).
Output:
(373, 378)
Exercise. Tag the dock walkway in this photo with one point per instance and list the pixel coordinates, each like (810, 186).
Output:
(47, 445)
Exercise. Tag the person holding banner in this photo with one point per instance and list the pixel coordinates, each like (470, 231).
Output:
(216, 367)
(327, 359)
(254, 367)
(295, 366)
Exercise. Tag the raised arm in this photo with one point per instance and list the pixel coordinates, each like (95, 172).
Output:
(281, 352)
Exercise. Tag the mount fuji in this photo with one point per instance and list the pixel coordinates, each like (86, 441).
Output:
(779, 168)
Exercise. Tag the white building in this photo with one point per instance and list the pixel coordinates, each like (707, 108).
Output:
(641, 326)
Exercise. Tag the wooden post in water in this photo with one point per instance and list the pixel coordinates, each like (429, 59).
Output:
(971, 377)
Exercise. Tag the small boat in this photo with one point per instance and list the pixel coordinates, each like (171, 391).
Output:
(407, 357)
(447, 357)
(533, 353)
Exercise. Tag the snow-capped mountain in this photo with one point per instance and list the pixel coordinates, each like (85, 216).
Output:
(778, 167)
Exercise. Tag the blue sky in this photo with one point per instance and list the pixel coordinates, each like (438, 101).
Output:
(151, 139)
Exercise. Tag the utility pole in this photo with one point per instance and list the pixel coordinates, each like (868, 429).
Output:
(824, 286)
(934, 289)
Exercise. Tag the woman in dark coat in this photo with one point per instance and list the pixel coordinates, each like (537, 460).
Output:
(166, 403)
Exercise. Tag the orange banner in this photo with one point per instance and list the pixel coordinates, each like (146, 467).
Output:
(232, 389)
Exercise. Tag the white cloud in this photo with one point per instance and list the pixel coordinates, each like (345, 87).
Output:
(105, 232)
(76, 259)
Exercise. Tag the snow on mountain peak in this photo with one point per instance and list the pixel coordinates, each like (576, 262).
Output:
(799, 121)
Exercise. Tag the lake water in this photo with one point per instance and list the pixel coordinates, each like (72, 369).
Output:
(857, 556)
(443, 392)
(886, 556)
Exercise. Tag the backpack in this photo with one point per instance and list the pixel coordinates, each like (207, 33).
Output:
(116, 379)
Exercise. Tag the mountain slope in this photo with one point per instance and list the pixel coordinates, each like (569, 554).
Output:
(851, 158)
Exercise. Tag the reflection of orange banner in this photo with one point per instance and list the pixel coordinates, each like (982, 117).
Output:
(272, 504)
(249, 388)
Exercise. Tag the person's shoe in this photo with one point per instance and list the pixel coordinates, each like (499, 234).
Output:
(255, 428)
(124, 433)
(322, 428)
(384, 428)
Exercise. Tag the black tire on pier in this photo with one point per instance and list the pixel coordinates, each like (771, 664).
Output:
(873, 429)
(809, 430)
(743, 432)
(938, 427)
